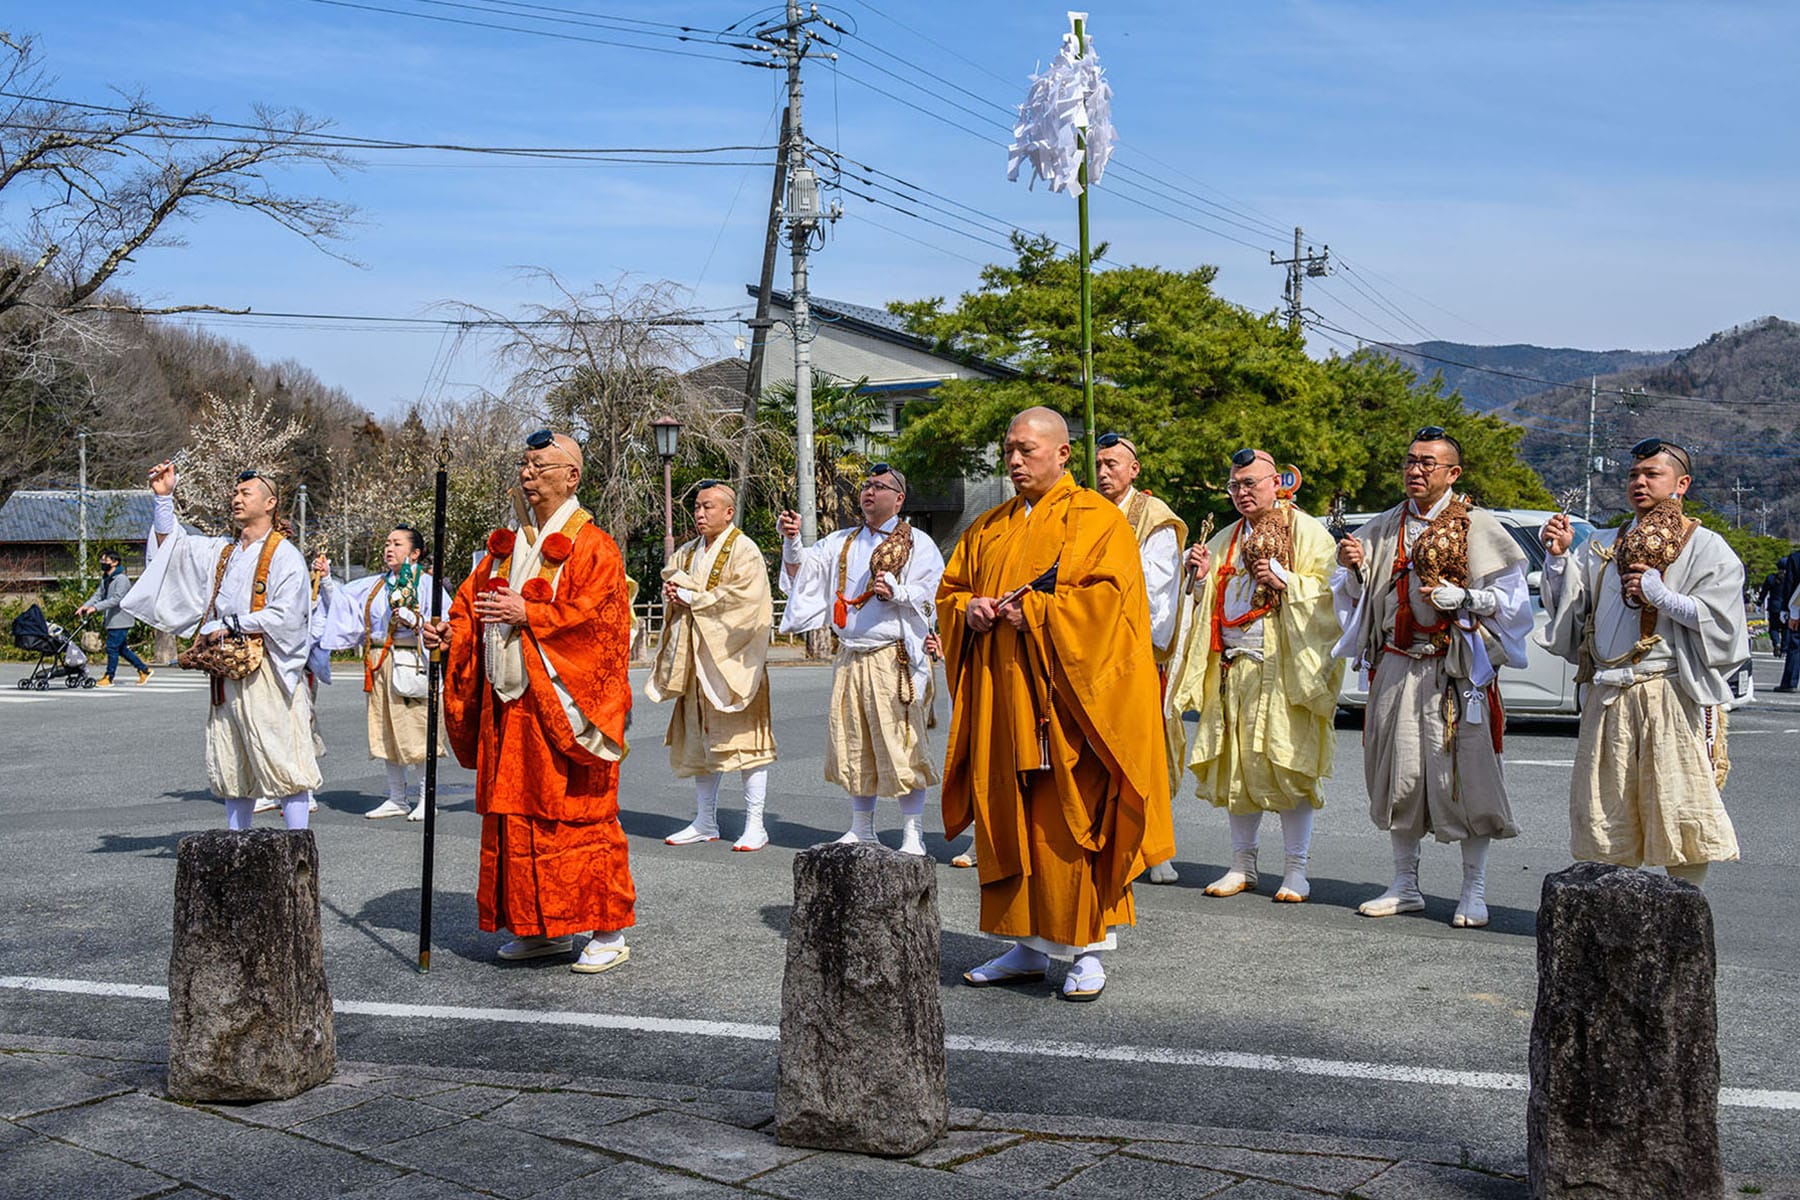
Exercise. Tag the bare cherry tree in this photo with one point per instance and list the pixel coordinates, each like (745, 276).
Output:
(85, 188)
(231, 436)
(605, 363)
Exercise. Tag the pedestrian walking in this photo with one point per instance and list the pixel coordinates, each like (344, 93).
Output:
(119, 623)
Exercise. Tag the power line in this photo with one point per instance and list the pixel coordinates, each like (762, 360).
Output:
(909, 190)
(1345, 304)
(544, 33)
(414, 324)
(337, 141)
(1374, 297)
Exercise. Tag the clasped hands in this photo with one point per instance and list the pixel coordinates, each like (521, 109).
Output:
(501, 606)
(1199, 562)
(984, 611)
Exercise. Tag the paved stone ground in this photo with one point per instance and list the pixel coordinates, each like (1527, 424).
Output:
(89, 1119)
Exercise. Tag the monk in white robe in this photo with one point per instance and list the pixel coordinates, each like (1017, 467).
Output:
(875, 586)
(714, 665)
(259, 729)
(380, 616)
(1259, 671)
(1432, 599)
(1653, 614)
(1160, 537)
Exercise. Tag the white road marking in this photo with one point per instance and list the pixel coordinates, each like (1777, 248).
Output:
(1083, 1051)
(1539, 762)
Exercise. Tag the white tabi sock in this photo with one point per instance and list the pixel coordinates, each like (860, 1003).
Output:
(1296, 844)
(396, 782)
(862, 820)
(756, 792)
(1403, 896)
(1086, 976)
(1471, 910)
(293, 810)
(239, 813)
(705, 827)
(912, 822)
(1242, 876)
(1017, 960)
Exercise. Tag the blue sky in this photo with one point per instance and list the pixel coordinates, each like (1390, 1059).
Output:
(1588, 174)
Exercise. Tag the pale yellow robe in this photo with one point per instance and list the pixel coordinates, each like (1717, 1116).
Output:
(714, 660)
(1265, 738)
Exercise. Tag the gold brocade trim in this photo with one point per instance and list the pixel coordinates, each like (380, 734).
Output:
(719, 560)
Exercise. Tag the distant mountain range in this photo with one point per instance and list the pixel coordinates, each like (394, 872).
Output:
(1733, 400)
(1471, 370)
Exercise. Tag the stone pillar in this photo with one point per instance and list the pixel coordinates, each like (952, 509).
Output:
(1624, 1045)
(249, 1010)
(862, 1026)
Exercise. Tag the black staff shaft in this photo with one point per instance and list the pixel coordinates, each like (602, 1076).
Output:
(432, 700)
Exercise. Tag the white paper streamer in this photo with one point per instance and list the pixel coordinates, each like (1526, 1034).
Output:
(1070, 95)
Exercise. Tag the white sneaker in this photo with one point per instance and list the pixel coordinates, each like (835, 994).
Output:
(693, 835)
(417, 813)
(755, 838)
(266, 804)
(387, 808)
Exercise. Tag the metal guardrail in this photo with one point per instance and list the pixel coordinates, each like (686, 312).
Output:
(648, 619)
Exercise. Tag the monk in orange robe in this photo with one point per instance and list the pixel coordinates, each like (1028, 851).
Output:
(1056, 740)
(536, 693)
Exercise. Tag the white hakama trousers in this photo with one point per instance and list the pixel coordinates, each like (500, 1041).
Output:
(259, 742)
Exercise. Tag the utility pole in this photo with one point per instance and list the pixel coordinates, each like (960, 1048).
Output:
(803, 214)
(1738, 488)
(81, 436)
(1587, 484)
(759, 325)
(1311, 263)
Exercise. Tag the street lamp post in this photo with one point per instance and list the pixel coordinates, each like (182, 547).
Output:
(81, 505)
(668, 438)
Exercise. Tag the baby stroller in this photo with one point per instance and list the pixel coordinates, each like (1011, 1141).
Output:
(58, 655)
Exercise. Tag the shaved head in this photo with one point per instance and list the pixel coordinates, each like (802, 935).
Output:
(1046, 422)
(722, 492)
(568, 446)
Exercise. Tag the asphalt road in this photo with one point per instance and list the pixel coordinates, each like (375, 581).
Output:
(99, 787)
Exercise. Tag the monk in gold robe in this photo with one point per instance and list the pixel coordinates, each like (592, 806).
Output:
(1056, 740)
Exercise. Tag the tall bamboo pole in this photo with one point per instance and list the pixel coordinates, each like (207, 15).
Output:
(1087, 285)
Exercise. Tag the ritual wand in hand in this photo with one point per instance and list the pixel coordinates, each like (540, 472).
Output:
(434, 681)
(1206, 532)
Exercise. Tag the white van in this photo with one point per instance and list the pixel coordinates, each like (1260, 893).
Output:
(1545, 686)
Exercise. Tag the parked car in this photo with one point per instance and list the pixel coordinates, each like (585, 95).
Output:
(1545, 685)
